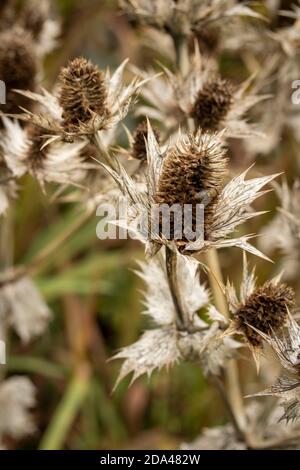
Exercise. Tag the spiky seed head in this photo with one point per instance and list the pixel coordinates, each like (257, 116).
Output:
(139, 146)
(194, 172)
(33, 17)
(36, 154)
(266, 310)
(213, 103)
(83, 93)
(18, 68)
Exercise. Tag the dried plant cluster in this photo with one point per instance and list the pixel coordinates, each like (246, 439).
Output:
(190, 120)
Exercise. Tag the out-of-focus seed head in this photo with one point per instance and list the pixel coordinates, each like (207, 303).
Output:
(18, 68)
(83, 93)
(140, 135)
(36, 154)
(193, 173)
(213, 103)
(266, 310)
(33, 16)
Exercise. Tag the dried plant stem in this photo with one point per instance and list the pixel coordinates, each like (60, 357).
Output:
(182, 54)
(231, 372)
(223, 393)
(171, 268)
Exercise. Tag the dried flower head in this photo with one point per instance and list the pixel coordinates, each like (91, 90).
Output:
(18, 68)
(195, 176)
(87, 101)
(193, 173)
(24, 151)
(198, 163)
(139, 138)
(35, 17)
(83, 93)
(266, 310)
(213, 103)
(258, 311)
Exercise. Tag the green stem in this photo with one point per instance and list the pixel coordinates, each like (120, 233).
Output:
(67, 410)
(34, 266)
(33, 365)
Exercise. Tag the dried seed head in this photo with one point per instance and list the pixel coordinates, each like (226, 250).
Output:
(33, 16)
(139, 136)
(18, 68)
(83, 93)
(194, 172)
(266, 310)
(213, 103)
(36, 155)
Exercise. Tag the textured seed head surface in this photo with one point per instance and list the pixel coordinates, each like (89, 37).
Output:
(266, 310)
(83, 92)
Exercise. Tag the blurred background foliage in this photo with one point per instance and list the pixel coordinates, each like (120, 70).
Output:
(96, 297)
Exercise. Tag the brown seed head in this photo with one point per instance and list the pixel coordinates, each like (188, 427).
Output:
(266, 310)
(82, 93)
(36, 155)
(139, 136)
(193, 173)
(33, 16)
(213, 103)
(18, 68)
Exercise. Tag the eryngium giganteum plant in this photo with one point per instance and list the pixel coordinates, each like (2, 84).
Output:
(176, 131)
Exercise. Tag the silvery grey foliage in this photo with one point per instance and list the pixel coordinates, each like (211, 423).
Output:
(184, 16)
(17, 398)
(263, 426)
(22, 306)
(283, 232)
(165, 345)
(287, 386)
(170, 98)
